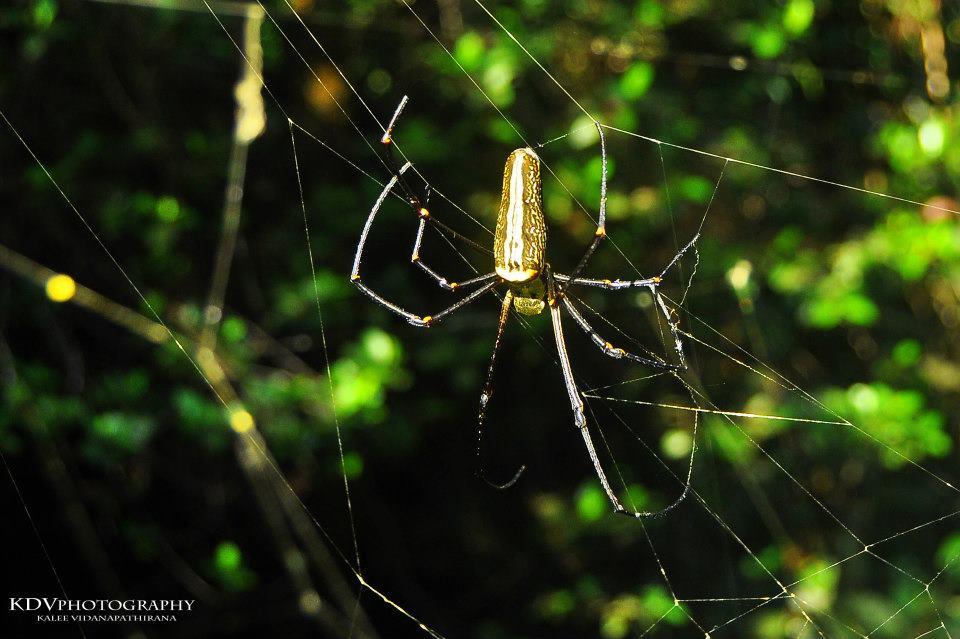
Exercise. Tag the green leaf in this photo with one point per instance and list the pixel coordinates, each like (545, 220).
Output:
(591, 503)
(907, 352)
(233, 329)
(932, 136)
(649, 13)
(352, 465)
(44, 13)
(583, 132)
(818, 583)
(898, 418)
(381, 347)
(229, 569)
(636, 81)
(798, 16)
(860, 310)
(558, 604)
(498, 82)
(949, 552)
(129, 433)
(469, 50)
(695, 188)
(168, 209)
(500, 130)
(768, 42)
(227, 556)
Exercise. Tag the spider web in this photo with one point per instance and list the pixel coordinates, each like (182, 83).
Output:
(698, 603)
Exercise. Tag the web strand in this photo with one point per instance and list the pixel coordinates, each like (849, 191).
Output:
(36, 532)
(773, 376)
(808, 621)
(703, 152)
(325, 349)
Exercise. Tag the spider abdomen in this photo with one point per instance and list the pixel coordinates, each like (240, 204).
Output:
(521, 237)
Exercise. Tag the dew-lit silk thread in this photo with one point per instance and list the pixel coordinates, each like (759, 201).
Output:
(521, 236)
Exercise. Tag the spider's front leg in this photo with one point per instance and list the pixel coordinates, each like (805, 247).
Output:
(416, 320)
(601, 231)
(420, 204)
(618, 284)
(442, 281)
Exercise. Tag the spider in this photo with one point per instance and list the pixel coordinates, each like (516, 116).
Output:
(529, 282)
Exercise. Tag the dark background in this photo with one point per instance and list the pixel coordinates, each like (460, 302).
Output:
(139, 489)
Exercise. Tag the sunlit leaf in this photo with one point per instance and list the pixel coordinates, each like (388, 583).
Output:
(798, 15)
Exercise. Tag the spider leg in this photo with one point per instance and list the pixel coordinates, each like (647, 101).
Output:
(669, 316)
(602, 215)
(416, 320)
(618, 284)
(674, 369)
(676, 258)
(488, 393)
(420, 206)
(609, 285)
(441, 280)
(580, 420)
(576, 402)
(653, 285)
(609, 349)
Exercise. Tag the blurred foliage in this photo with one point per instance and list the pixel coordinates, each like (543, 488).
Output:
(853, 296)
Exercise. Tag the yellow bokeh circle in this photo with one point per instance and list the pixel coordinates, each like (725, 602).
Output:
(61, 288)
(241, 421)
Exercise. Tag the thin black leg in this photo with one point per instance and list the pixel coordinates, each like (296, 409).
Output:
(618, 284)
(680, 254)
(416, 320)
(669, 316)
(602, 216)
(441, 280)
(609, 349)
(419, 204)
(576, 402)
(488, 393)
(653, 285)
(580, 420)
(609, 285)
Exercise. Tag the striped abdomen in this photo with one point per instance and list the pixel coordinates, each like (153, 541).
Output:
(521, 238)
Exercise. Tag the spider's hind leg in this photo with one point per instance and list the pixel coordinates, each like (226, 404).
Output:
(576, 401)
(653, 285)
(610, 350)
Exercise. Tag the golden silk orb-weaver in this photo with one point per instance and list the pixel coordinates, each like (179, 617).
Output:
(528, 282)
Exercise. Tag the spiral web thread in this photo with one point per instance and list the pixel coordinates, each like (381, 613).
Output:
(781, 590)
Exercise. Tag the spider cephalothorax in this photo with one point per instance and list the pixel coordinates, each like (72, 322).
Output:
(520, 267)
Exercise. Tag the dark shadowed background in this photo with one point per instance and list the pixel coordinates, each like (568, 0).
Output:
(207, 466)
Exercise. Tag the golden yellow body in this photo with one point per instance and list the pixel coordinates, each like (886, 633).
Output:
(521, 237)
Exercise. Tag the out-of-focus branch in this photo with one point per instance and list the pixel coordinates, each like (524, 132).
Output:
(249, 122)
(239, 9)
(63, 288)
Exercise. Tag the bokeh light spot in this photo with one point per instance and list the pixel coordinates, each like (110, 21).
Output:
(241, 421)
(61, 288)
